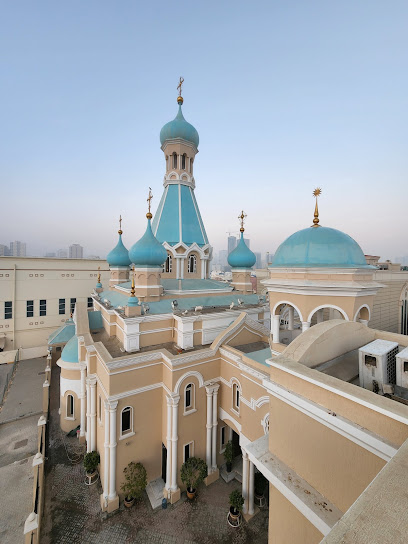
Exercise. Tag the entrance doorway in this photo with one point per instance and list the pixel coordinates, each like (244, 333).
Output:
(164, 462)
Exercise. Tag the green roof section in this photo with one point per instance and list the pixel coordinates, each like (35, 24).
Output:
(95, 320)
(260, 356)
(63, 334)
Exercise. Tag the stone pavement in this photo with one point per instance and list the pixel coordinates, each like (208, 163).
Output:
(73, 513)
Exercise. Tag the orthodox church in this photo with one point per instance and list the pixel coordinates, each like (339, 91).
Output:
(170, 364)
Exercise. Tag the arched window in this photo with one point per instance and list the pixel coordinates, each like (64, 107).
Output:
(70, 407)
(265, 424)
(168, 264)
(126, 421)
(236, 393)
(189, 397)
(192, 264)
(174, 160)
(183, 161)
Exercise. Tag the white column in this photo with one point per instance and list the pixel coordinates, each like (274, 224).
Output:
(174, 440)
(202, 269)
(88, 417)
(92, 385)
(182, 261)
(179, 161)
(245, 481)
(214, 427)
(251, 489)
(83, 401)
(106, 456)
(168, 442)
(178, 269)
(209, 393)
(275, 328)
(291, 319)
(319, 316)
(112, 449)
(305, 325)
(189, 164)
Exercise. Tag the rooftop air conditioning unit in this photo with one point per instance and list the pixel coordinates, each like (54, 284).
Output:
(377, 364)
(402, 368)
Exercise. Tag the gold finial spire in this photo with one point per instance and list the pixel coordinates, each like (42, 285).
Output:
(149, 203)
(241, 220)
(132, 290)
(120, 225)
(179, 86)
(99, 274)
(317, 192)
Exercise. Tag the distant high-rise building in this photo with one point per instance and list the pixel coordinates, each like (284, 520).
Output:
(76, 251)
(258, 262)
(62, 254)
(232, 243)
(18, 249)
(4, 250)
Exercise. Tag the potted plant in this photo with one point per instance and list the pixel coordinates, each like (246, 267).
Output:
(135, 482)
(260, 485)
(236, 501)
(229, 455)
(91, 462)
(193, 472)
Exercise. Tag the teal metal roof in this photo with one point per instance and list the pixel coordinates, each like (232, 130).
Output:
(70, 352)
(241, 256)
(119, 256)
(260, 355)
(62, 334)
(148, 251)
(95, 320)
(179, 128)
(320, 247)
(170, 284)
(178, 218)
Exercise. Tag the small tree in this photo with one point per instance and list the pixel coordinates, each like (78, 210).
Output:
(229, 454)
(91, 461)
(236, 500)
(135, 480)
(193, 472)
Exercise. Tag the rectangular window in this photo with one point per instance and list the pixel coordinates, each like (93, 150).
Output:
(126, 420)
(70, 406)
(8, 310)
(43, 307)
(188, 451)
(72, 307)
(61, 306)
(90, 302)
(30, 308)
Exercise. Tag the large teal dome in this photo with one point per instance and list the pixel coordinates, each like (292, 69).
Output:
(179, 128)
(319, 247)
(119, 256)
(241, 256)
(148, 251)
(70, 352)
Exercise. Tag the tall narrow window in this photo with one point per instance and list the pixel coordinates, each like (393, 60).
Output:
(126, 423)
(70, 406)
(192, 264)
(72, 305)
(30, 308)
(168, 264)
(61, 306)
(235, 396)
(90, 302)
(174, 160)
(8, 310)
(43, 307)
(188, 451)
(189, 400)
(183, 161)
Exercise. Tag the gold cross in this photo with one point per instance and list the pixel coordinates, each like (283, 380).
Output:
(120, 222)
(149, 200)
(180, 85)
(242, 219)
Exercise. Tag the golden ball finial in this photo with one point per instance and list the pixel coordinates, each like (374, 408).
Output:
(241, 229)
(180, 100)
(149, 215)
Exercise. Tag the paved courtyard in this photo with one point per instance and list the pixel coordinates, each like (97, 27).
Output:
(72, 511)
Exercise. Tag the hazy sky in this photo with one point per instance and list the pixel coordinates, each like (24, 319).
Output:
(286, 96)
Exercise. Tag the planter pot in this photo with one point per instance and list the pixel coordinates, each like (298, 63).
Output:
(92, 477)
(234, 517)
(229, 467)
(191, 493)
(128, 502)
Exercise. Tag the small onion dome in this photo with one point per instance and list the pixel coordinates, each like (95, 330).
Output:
(133, 301)
(148, 251)
(119, 256)
(179, 128)
(241, 256)
(99, 285)
(70, 352)
(319, 247)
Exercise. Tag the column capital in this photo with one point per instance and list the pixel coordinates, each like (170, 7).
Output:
(244, 454)
(113, 404)
(175, 399)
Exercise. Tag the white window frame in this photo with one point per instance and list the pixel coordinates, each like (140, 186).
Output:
(189, 409)
(169, 261)
(194, 257)
(236, 386)
(130, 432)
(43, 307)
(30, 308)
(191, 450)
(61, 306)
(73, 407)
(265, 423)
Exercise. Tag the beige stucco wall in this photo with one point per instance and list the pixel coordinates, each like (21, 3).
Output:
(386, 313)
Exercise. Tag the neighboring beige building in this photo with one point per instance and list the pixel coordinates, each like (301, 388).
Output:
(37, 295)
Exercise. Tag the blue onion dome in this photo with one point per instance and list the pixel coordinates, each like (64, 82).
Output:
(148, 251)
(119, 256)
(179, 128)
(241, 256)
(319, 246)
(70, 352)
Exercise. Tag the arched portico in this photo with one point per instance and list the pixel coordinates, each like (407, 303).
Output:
(325, 312)
(286, 322)
(363, 314)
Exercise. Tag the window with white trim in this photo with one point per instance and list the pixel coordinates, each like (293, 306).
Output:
(189, 397)
(43, 307)
(183, 161)
(30, 308)
(192, 264)
(126, 419)
(236, 393)
(168, 264)
(70, 407)
(174, 160)
(61, 306)
(8, 309)
(188, 451)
